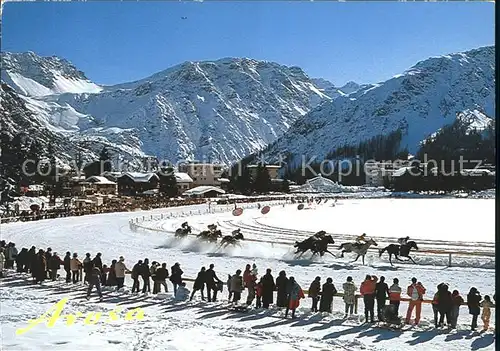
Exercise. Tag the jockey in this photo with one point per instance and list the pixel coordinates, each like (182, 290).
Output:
(319, 234)
(361, 239)
(403, 241)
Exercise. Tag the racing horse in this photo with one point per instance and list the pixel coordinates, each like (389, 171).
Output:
(401, 250)
(359, 249)
(317, 245)
(232, 239)
(183, 231)
(211, 234)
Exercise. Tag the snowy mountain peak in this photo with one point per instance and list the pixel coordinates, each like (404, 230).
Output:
(334, 92)
(218, 110)
(418, 102)
(350, 87)
(33, 75)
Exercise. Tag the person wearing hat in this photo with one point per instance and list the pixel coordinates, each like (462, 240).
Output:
(120, 270)
(75, 265)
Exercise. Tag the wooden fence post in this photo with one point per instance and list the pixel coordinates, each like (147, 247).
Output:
(356, 305)
(449, 260)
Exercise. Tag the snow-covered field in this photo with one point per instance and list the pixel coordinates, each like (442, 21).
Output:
(461, 225)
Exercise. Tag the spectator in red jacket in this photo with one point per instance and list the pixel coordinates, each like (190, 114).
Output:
(258, 293)
(416, 293)
(367, 290)
(456, 301)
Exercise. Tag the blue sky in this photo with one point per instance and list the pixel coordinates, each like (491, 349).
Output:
(114, 42)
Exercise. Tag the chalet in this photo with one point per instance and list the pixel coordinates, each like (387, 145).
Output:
(204, 191)
(102, 185)
(112, 176)
(184, 182)
(134, 183)
(77, 186)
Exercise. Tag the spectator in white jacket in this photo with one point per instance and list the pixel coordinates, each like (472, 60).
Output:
(120, 270)
(182, 293)
(10, 255)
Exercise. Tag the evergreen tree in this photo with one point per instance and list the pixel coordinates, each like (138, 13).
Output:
(31, 174)
(167, 182)
(262, 182)
(243, 182)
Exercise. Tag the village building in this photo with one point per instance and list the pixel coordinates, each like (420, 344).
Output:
(184, 182)
(102, 185)
(272, 170)
(379, 173)
(204, 191)
(111, 175)
(320, 184)
(202, 173)
(136, 183)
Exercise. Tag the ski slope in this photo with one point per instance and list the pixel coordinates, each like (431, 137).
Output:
(197, 325)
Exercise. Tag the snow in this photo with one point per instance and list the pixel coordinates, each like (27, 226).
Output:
(100, 180)
(202, 189)
(210, 326)
(321, 185)
(76, 86)
(25, 202)
(139, 177)
(183, 177)
(28, 86)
